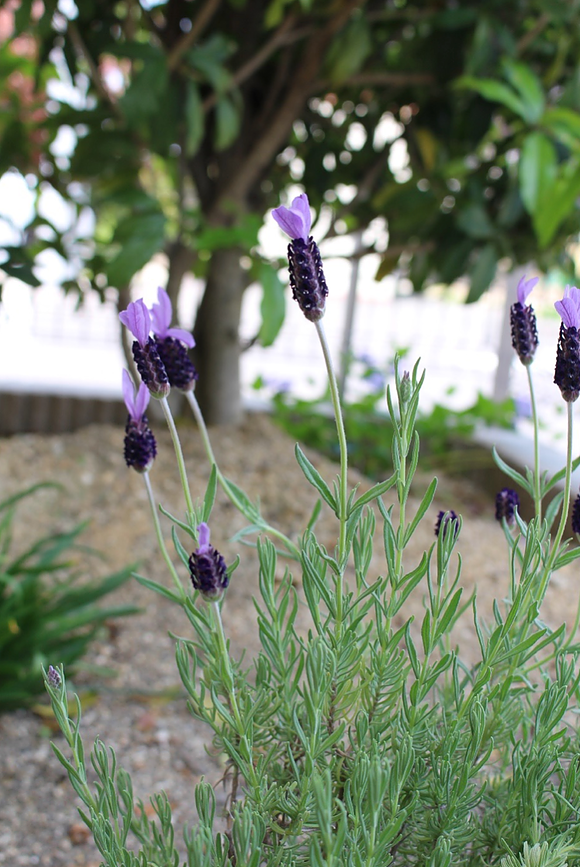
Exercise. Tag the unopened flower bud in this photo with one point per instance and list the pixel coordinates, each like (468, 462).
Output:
(53, 677)
(405, 387)
(506, 502)
(446, 520)
(208, 568)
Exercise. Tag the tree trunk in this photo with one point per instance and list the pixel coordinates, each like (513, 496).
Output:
(217, 350)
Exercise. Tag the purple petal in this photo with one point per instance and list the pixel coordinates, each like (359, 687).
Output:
(161, 313)
(525, 287)
(569, 312)
(181, 334)
(569, 307)
(129, 393)
(136, 402)
(141, 400)
(203, 535)
(138, 320)
(295, 220)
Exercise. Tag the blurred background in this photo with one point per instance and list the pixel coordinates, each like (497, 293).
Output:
(144, 145)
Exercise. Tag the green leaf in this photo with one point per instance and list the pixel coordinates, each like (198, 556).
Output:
(194, 119)
(482, 272)
(273, 306)
(349, 50)
(564, 124)
(475, 222)
(557, 203)
(228, 120)
(537, 170)
(19, 265)
(158, 588)
(141, 237)
(314, 477)
(529, 87)
(494, 91)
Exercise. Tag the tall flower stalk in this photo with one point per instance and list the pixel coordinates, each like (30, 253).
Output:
(309, 289)
(524, 333)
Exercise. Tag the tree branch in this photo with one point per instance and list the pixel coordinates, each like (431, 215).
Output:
(95, 75)
(393, 79)
(247, 173)
(280, 37)
(197, 28)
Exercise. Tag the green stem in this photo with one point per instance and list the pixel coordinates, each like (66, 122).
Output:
(343, 488)
(226, 487)
(230, 685)
(537, 494)
(158, 533)
(565, 506)
(178, 454)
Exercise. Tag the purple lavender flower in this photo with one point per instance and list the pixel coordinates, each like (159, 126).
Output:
(151, 369)
(208, 568)
(523, 323)
(171, 345)
(307, 280)
(444, 522)
(140, 446)
(53, 677)
(576, 516)
(567, 373)
(506, 502)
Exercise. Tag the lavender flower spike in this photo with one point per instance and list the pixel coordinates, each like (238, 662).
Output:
(171, 344)
(138, 320)
(140, 446)
(567, 373)
(523, 323)
(309, 287)
(207, 568)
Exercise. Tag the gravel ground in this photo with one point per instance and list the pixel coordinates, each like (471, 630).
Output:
(142, 711)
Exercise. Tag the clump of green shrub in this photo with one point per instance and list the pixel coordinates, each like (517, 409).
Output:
(47, 609)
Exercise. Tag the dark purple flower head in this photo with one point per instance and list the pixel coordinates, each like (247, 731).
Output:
(138, 320)
(140, 446)
(295, 220)
(524, 329)
(208, 568)
(576, 516)
(307, 280)
(567, 373)
(171, 344)
(506, 503)
(444, 521)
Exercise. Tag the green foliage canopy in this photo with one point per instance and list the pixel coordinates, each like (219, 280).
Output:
(188, 119)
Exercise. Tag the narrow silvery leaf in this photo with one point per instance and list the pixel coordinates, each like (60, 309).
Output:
(315, 479)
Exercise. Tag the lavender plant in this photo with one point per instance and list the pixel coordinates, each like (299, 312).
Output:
(363, 742)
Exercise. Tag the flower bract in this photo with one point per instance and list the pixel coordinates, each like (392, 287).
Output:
(295, 220)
